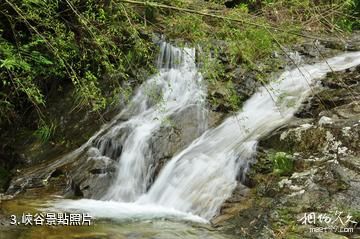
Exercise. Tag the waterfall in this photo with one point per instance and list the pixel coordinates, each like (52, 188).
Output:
(176, 86)
(201, 177)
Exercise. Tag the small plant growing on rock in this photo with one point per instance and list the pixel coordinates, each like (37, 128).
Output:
(283, 163)
(45, 131)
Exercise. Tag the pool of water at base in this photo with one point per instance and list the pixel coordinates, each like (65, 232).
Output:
(100, 228)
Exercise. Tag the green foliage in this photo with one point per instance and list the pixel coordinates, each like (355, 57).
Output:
(222, 95)
(191, 28)
(283, 163)
(45, 131)
(98, 45)
(350, 20)
(89, 93)
(355, 215)
(233, 97)
(46, 43)
(236, 43)
(246, 46)
(211, 66)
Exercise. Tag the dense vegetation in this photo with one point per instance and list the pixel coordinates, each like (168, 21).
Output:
(46, 44)
(96, 45)
(101, 49)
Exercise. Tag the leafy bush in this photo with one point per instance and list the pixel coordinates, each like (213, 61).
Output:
(350, 20)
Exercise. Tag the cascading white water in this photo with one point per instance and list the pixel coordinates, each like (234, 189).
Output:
(201, 177)
(177, 86)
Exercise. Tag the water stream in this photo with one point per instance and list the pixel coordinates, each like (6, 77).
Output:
(176, 86)
(196, 181)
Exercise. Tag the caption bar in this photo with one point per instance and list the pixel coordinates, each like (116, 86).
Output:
(52, 219)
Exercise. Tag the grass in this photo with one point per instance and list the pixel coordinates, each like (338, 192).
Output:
(283, 163)
(45, 131)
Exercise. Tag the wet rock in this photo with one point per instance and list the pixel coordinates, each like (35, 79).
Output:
(354, 42)
(248, 83)
(234, 204)
(325, 120)
(89, 177)
(182, 128)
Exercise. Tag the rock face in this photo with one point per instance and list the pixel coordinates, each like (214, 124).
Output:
(183, 129)
(323, 142)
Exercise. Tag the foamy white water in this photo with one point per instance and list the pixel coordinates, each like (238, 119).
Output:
(125, 211)
(203, 176)
(199, 179)
(177, 86)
